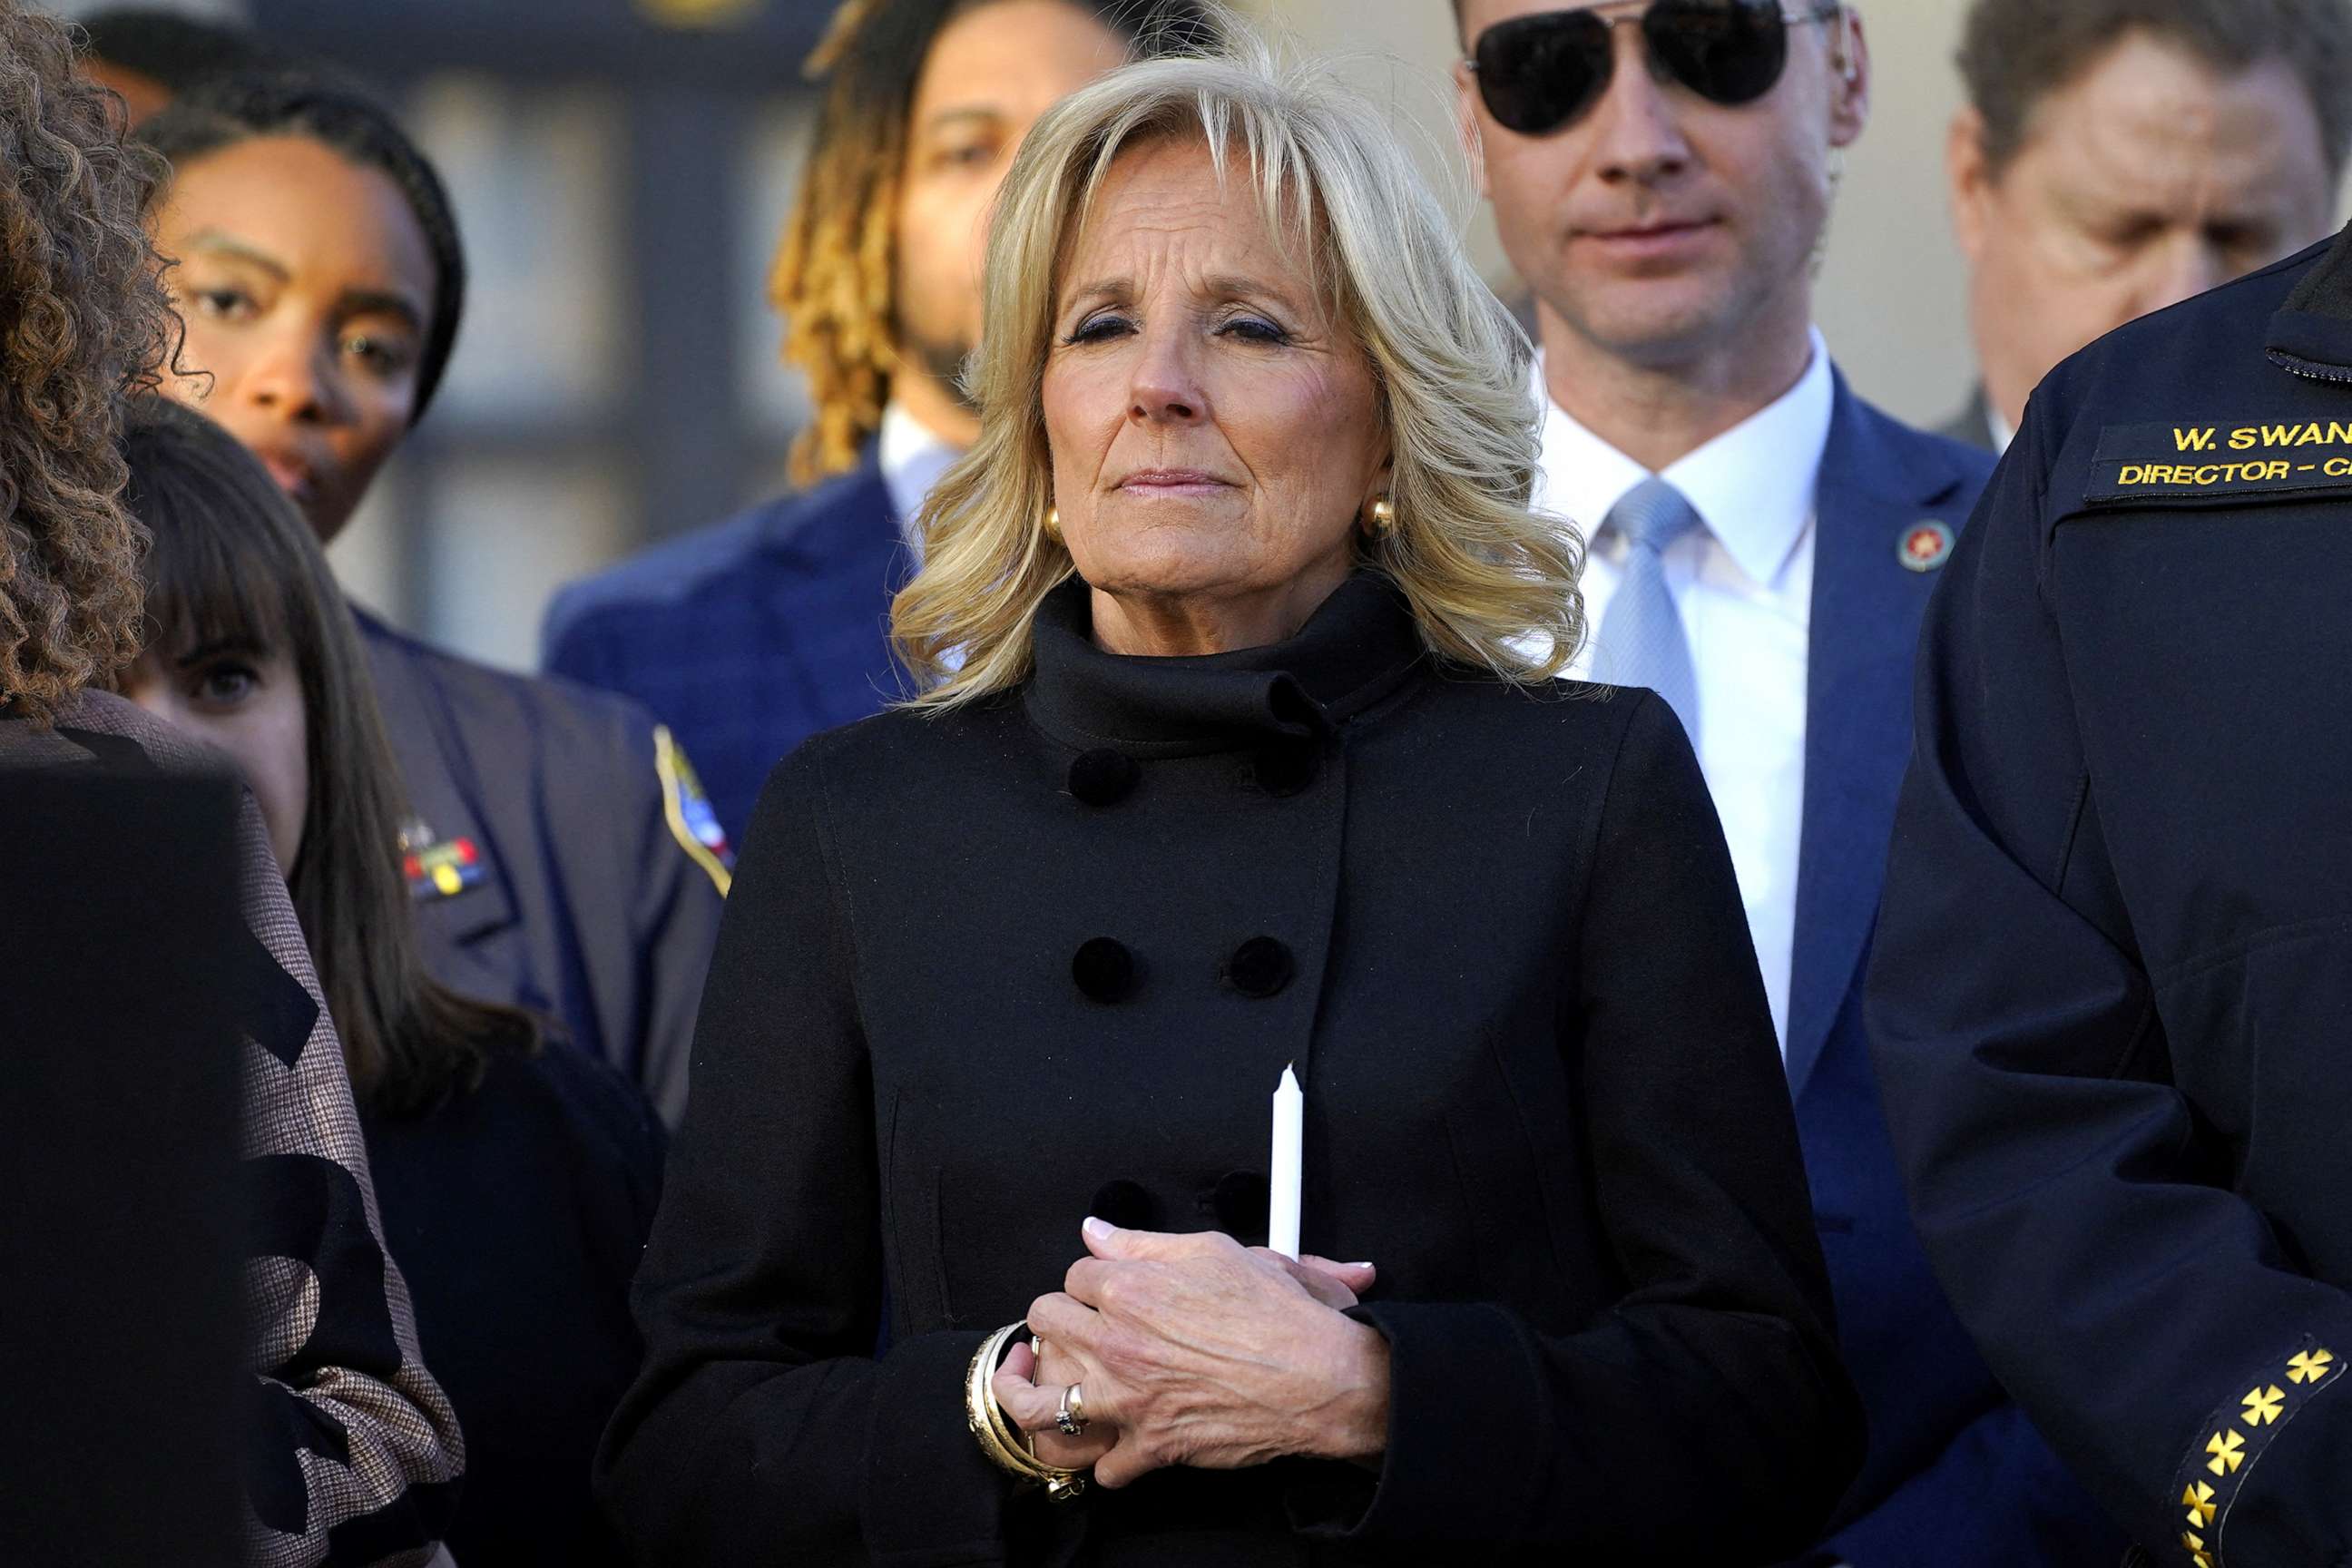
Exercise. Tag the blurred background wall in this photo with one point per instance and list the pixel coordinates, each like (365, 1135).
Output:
(621, 167)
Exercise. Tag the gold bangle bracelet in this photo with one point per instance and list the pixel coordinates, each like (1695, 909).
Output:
(1001, 1441)
(1007, 1445)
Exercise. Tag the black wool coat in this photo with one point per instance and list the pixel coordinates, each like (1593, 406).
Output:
(986, 972)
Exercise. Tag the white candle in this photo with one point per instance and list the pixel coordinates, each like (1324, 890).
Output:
(1282, 1206)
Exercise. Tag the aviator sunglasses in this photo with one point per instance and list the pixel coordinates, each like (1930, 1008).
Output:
(1538, 73)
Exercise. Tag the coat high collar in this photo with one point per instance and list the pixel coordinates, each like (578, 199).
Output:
(2312, 335)
(1355, 649)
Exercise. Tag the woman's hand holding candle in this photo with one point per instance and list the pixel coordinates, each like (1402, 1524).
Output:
(1194, 1350)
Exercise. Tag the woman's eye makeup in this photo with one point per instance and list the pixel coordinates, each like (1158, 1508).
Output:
(1249, 327)
(1097, 328)
(384, 353)
(225, 684)
(1254, 328)
(223, 302)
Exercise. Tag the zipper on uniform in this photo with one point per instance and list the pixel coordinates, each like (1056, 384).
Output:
(2311, 370)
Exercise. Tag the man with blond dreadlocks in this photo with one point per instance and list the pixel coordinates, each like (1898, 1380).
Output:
(748, 636)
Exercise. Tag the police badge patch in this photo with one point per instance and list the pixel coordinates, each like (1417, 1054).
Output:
(691, 821)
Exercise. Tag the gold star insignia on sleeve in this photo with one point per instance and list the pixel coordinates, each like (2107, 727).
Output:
(2244, 1426)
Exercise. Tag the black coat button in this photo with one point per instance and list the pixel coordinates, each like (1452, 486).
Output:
(1104, 970)
(1285, 767)
(1260, 967)
(1103, 777)
(1127, 1204)
(1237, 1206)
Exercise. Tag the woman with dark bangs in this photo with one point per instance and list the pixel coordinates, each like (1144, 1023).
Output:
(348, 1449)
(571, 865)
(517, 1179)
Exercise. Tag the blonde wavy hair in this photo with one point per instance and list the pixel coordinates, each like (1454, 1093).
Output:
(1491, 585)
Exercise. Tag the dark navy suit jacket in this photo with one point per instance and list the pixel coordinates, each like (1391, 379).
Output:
(1954, 1474)
(585, 896)
(747, 636)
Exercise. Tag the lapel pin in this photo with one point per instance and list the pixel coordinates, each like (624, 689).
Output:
(438, 870)
(1925, 546)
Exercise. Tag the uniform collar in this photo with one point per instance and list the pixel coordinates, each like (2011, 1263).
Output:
(2312, 335)
(1753, 486)
(1356, 647)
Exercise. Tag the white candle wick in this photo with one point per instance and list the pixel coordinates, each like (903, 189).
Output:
(1289, 1134)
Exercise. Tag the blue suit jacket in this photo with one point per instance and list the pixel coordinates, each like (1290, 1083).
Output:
(750, 635)
(1954, 1474)
(587, 896)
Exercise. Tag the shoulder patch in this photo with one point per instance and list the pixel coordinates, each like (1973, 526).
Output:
(691, 821)
(2221, 458)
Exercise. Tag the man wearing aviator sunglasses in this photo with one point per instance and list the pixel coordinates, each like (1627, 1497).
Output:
(1763, 547)
(1538, 73)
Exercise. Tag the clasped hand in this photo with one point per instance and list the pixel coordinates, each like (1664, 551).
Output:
(1194, 1350)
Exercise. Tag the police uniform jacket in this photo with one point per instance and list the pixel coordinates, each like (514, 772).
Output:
(990, 970)
(2111, 994)
(560, 854)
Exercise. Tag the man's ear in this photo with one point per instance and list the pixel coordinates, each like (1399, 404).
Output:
(1465, 125)
(1969, 172)
(1850, 74)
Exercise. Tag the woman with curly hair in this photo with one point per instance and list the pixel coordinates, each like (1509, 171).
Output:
(353, 1452)
(85, 319)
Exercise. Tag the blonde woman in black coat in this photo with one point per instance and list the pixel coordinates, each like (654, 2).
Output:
(1242, 749)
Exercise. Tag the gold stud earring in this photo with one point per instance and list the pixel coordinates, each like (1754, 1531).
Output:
(1052, 522)
(1383, 516)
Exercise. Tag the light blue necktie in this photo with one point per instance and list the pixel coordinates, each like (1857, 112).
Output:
(1642, 641)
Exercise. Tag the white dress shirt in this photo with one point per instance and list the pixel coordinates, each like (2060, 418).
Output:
(1998, 428)
(912, 460)
(1744, 587)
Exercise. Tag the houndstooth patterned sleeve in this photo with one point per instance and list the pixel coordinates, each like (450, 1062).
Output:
(355, 1453)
